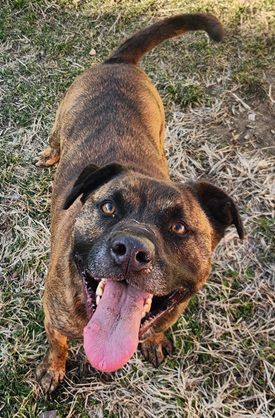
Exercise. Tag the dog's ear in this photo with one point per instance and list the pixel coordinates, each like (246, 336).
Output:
(91, 178)
(219, 208)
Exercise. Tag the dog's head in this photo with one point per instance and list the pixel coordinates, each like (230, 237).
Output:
(151, 240)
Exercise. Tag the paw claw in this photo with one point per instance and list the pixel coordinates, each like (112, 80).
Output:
(47, 158)
(156, 348)
(49, 377)
(168, 347)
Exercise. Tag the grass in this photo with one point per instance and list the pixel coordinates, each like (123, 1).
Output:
(219, 110)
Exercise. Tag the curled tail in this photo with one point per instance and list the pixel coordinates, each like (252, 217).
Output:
(133, 49)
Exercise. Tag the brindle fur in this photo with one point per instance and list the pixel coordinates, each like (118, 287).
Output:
(112, 112)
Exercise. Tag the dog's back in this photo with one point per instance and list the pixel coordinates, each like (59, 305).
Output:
(113, 112)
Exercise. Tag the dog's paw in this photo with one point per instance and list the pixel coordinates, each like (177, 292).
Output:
(156, 348)
(47, 158)
(49, 374)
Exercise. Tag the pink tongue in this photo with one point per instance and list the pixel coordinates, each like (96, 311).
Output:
(111, 335)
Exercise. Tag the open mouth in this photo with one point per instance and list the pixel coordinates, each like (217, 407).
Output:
(154, 306)
(119, 315)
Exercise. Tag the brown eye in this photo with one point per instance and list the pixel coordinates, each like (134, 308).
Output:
(178, 228)
(108, 208)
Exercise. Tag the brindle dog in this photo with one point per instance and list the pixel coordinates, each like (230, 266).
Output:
(129, 245)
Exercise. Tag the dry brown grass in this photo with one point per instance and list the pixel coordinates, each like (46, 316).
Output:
(223, 365)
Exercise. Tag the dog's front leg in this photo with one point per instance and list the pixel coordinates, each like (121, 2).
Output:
(156, 346)
(52, 369)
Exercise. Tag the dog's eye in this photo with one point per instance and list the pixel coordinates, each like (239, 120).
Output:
(178, 228)
(108, 208)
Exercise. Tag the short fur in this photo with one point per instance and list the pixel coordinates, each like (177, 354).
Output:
(109, 137)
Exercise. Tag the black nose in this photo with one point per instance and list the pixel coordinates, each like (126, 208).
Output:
(132, 253)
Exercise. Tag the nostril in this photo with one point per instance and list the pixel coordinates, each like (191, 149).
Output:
(119, 249)
(143, 257)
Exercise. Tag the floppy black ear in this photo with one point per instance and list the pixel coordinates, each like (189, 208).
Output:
(219, 208)
(91, 178)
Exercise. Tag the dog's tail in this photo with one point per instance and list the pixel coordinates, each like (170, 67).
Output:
(133, 49)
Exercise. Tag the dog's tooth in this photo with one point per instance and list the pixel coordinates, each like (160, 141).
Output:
(98, 299)
(99, 291)
(100, 287)
(148, 304)
(146, 308)
(143, 315)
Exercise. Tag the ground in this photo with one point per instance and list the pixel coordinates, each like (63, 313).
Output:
(218, 101)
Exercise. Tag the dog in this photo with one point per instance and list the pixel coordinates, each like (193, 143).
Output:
(129, 246)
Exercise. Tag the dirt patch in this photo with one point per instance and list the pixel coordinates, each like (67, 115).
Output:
(252, 123)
